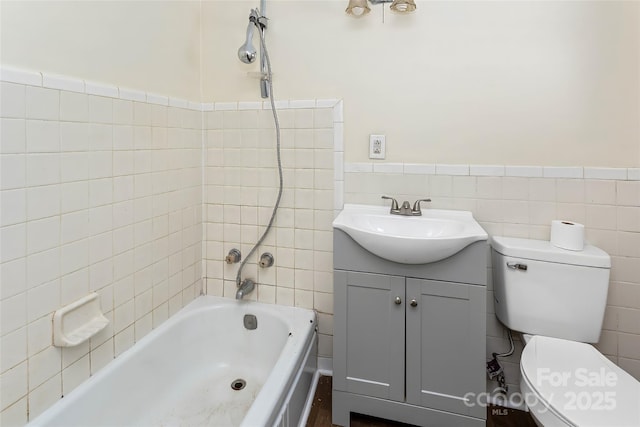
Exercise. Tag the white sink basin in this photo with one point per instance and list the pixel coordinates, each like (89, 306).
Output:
(435, 235)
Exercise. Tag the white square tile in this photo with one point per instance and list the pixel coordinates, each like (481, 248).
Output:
(16, 414)
(42, 103)
(74, 257)
(13, 313)
(74, 166)
(44, 396)
(39, 335)
(100, 137)
(75, 374)
(74, 196)
(74, 226)
(74, 136)
(14, 278)
(100, 219)
(43, 366)
(542, 189)
(14, 385)
(628, 193)
(12, 171)
(13, 100)
(43, 202)
(13, 349)
(43, 169)
(122, 112)
(13, 242)
(43, 136)
(601, 192)
(100, 192)
(123, 138)
(141, 114)
(12, 136)
(43, 300)
(13, 206)
(43, 234)
(74, 107)
(100, 109)
(100, 164)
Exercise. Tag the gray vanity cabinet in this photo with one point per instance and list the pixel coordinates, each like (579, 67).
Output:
(409, 343)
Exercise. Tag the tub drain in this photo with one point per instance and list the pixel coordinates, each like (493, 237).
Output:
(238, 384)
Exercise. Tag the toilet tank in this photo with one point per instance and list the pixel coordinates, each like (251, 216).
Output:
(544, 290)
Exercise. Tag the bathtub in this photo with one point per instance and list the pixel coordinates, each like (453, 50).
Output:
(186, 372)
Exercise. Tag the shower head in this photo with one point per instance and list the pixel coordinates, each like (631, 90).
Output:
(247, 53)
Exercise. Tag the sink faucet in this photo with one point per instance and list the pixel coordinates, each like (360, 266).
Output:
(245, 288)
(405, 209)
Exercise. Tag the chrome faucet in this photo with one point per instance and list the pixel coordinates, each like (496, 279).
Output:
(405, 209)
(245, 288)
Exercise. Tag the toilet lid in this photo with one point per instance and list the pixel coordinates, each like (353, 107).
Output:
(580, 384)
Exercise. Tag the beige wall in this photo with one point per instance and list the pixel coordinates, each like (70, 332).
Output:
(483, 82)
(153, 46)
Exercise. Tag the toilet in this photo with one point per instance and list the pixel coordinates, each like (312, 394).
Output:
(556, 298)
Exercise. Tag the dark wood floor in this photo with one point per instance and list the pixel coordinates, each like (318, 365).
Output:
(320, 415)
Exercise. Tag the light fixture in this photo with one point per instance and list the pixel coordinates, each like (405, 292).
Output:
(403, 6)
(359, 8)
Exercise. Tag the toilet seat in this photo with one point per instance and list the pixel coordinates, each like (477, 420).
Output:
(572, 384)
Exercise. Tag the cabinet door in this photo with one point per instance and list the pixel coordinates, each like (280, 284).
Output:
(445, 345)
(368, 354)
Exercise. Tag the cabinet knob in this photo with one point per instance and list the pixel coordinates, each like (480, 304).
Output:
(414, 303)
(398, 300)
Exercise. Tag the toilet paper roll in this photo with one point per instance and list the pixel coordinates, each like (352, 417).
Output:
(567, 235)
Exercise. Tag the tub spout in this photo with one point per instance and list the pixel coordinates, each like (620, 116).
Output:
(245, 288)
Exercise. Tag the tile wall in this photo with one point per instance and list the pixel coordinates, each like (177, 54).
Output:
(138, 196)
(521, 202)
(241, 186)
(101, 191)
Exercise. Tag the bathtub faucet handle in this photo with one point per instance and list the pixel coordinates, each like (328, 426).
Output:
(233, 256)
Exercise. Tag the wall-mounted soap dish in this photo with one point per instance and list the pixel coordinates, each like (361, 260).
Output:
(75, 323)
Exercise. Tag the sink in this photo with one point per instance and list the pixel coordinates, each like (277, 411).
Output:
(434, 236)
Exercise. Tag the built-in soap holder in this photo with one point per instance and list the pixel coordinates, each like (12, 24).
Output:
(75, 323)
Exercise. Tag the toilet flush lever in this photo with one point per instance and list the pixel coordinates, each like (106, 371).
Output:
(517, 266)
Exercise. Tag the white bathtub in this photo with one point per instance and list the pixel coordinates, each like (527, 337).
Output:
(181, 373)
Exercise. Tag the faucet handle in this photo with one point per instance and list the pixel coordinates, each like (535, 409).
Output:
(394, 203)
(416, 206)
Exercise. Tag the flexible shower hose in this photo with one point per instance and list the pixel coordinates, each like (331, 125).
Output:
(277, 123)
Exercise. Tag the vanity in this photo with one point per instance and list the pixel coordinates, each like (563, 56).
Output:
(409, 336)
